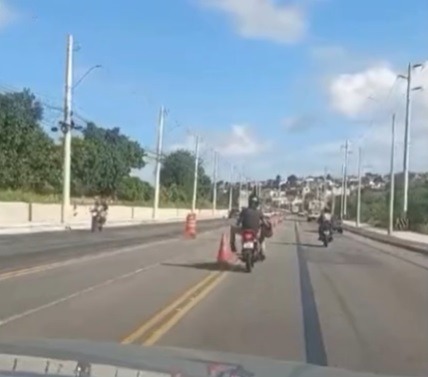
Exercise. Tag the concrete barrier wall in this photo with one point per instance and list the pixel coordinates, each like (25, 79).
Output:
(21, 213)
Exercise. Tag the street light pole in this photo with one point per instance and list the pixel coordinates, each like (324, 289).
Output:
(195, 176)
(158, 162)
(409, 89)
(392, 179)
(231, 188)
(359, 189)
(215, 183)
(240, 191)
(407, 142)
(342, 196)
(67, 129)
(345, 198)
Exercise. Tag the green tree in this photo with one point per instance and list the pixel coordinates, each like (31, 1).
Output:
(178, 171)
(29, 159)
(133, 189)
(103, 159)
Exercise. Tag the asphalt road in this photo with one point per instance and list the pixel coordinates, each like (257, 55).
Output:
(24, 250)
(357, 305)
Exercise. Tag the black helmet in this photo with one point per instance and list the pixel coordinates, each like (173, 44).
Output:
(253, 201)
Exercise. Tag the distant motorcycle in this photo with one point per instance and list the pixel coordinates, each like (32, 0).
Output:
(326, 236)
(98, 220)
(336, 225)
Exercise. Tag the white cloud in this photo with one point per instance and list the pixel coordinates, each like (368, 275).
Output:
(241, 142)
(350, 96)
(263, 19)
(7, 14)
(350, 93)
(377, 88)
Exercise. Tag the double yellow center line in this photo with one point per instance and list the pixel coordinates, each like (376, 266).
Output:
(156, 327)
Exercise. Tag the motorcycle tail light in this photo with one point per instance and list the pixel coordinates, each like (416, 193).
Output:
(248, 236)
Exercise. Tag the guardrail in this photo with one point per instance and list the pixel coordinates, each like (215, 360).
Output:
(417, 247)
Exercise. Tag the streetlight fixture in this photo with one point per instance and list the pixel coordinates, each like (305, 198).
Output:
(85, 75)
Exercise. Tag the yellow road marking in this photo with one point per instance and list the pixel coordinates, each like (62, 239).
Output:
(27, 271)
(152, 330)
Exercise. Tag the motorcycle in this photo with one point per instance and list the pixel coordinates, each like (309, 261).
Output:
(326, 236)
(98, 221)
(250, 249)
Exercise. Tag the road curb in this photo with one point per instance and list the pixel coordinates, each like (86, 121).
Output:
(389, 240)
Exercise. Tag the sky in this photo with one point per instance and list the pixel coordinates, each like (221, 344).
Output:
(274, 87)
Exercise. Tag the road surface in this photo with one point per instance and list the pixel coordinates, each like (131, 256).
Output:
(22, 250)
(357, 304)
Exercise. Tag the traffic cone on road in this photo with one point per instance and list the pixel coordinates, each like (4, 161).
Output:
(224, 253)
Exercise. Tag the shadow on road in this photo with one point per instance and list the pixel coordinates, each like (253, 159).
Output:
(208, 266)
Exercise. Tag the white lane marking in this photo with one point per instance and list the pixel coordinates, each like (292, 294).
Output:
(87, 290)
(69, 262)
(94, 287)
(51, 266)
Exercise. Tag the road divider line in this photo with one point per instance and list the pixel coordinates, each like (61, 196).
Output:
(182, 311)
(164, 320)
(157, 317)
(51, 266)
(76, 294)
(68, 262)
(84, 291)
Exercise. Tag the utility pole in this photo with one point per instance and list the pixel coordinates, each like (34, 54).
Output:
(67, 129)
(195, 176)
(407, 141)
(392, 179)
(215, 183)
(158, 161)
(342, 196)
(359, 189)
(324, 189)
(409, 89)
(240, 192)
(231, 188)
(345, 179)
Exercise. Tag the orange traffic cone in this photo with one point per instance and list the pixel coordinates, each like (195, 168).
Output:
(223, 255)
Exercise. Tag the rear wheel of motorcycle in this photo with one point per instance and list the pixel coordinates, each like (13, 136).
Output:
(325, 242)
(249, 261)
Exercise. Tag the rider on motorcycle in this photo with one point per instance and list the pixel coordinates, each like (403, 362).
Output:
(100, 209)
(252, 218)
(324, 221)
